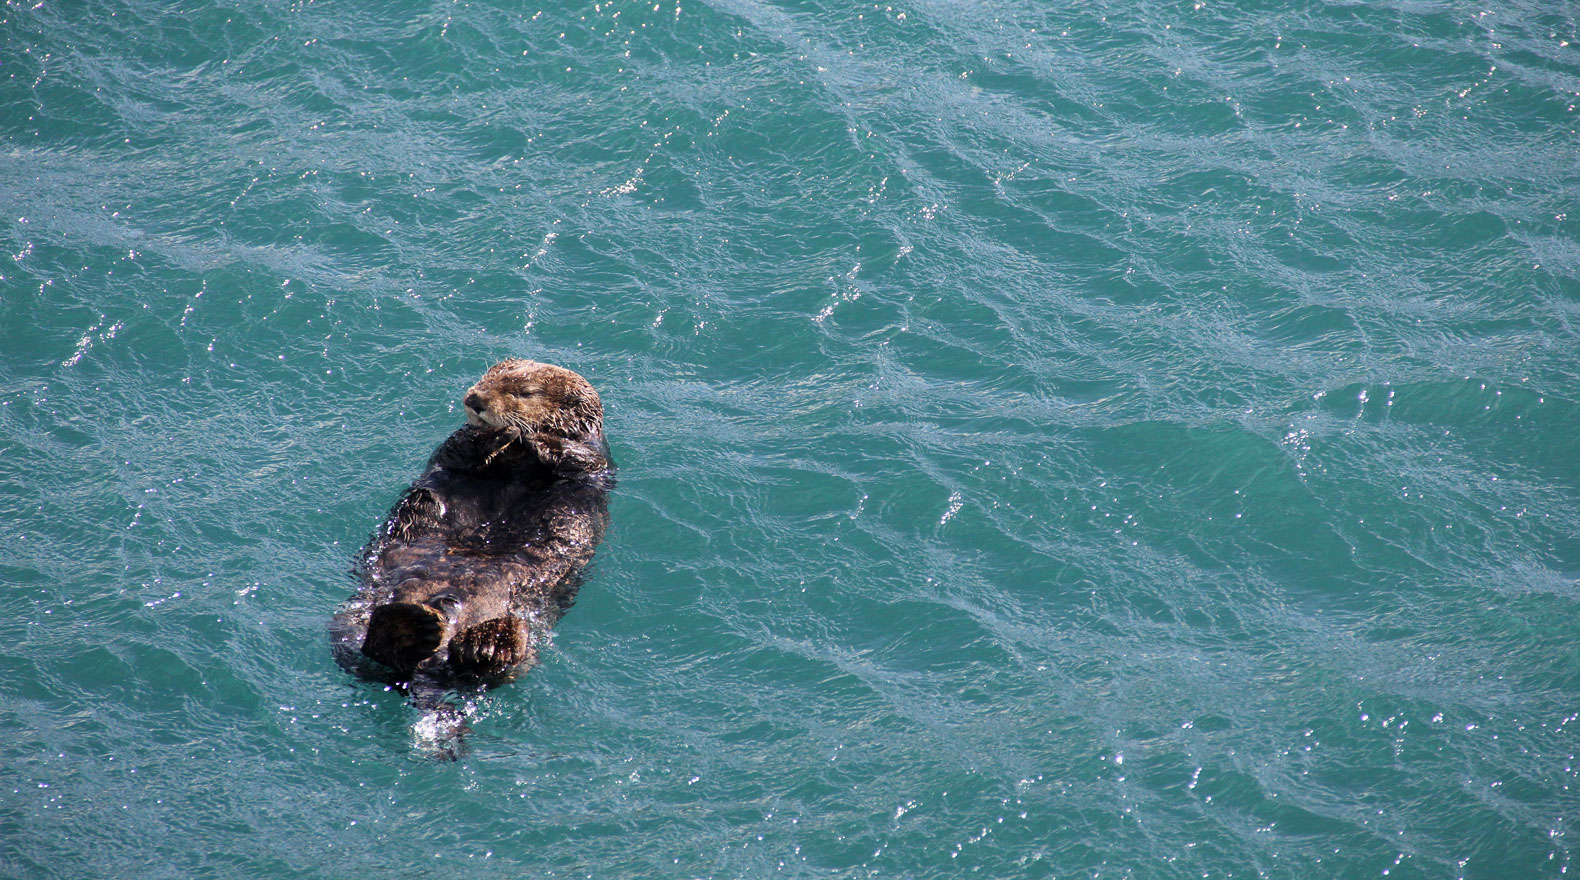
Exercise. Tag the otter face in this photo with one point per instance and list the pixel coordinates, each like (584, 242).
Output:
(530, 398)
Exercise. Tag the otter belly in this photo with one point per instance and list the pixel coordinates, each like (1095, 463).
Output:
(467, 575)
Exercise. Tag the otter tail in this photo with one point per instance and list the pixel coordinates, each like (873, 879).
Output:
(441, 731)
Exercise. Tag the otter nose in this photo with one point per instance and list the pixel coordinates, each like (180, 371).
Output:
(474, 401)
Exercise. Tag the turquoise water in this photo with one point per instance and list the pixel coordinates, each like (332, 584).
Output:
(1128, 439)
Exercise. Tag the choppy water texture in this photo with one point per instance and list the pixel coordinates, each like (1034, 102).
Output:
(1131, 439)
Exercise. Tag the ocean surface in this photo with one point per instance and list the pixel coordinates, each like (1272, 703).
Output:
(1125, 439)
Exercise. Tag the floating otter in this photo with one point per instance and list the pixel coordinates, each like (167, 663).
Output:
(483, 554)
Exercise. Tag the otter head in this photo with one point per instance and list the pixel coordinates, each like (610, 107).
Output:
(526, 398)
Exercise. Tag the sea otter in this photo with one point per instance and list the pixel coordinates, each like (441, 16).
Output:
(481, 556)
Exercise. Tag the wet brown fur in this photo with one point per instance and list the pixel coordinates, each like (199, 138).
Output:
(484, 552)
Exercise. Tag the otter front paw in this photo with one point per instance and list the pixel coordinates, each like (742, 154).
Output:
(417, 514)
(491, 646)
(568, 456)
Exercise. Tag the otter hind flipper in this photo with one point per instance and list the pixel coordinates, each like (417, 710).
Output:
(491, 646)
(402, 635)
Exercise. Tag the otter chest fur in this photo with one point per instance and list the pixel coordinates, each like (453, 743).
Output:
(484, 552)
